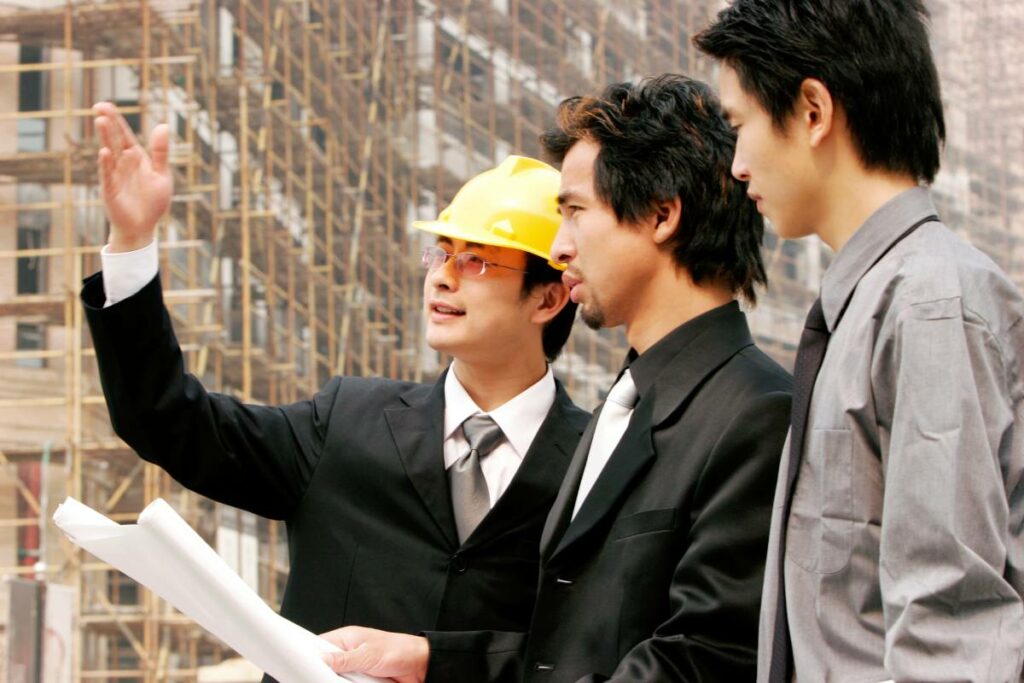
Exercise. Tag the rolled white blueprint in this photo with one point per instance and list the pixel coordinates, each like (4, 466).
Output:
(163, 553)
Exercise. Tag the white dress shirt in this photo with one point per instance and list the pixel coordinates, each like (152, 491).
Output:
(519, 418)
(126, 273)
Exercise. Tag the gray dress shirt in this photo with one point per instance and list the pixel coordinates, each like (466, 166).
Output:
(904, 552)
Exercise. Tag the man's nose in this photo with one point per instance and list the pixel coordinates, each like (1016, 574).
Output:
(444, 276)
(740, 171)
(563, 250)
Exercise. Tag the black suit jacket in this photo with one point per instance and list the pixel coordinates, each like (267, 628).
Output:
(357, 473)
(658, 578)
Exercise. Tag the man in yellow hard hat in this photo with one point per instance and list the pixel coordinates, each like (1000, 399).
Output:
(408, 506)
(653, 554)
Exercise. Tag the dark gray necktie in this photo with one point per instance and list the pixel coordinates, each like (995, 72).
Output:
(470, 499)
(809, 356)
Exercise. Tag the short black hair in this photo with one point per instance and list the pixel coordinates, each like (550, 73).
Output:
(661, 138)
(872, 55)
(556, 331)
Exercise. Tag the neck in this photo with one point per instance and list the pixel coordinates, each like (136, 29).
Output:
(670, 299)
(853, 198)
(493, 384)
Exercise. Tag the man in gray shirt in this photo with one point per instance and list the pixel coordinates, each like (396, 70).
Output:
(897, 542)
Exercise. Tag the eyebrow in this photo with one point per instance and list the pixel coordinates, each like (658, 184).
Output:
(567, 196)
(444, 239)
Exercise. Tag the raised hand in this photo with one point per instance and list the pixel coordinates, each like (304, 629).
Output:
(400, 657)
(136, 186)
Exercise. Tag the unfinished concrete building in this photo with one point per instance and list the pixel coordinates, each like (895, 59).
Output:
(307, 136)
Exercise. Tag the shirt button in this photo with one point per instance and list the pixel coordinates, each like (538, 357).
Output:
(458, 564)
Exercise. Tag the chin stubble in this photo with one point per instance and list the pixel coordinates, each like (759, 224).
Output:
(592, 317)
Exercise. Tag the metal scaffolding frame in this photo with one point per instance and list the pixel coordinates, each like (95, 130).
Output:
(307, 135)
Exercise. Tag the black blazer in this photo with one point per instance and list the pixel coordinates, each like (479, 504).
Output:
(357, 473)
(659, 576)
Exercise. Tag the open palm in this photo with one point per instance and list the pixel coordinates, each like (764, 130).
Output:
(136, 186)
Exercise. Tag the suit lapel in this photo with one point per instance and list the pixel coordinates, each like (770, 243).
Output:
(558, 518)
(418, 433)
(718, 338)
(723, 336)
(627, 462)
(540, 474)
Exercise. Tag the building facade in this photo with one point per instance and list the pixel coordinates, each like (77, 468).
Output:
(307, 136)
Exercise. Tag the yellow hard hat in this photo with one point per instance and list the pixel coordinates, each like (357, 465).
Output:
(513, 205)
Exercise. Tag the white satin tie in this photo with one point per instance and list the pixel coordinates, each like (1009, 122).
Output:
(611, 424)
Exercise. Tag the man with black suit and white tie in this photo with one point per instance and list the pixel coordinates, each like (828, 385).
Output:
(408, 506)
(653, 555)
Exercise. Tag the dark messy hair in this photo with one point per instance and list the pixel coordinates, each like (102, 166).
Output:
(556, 331)
(872, 55)
(662, 138)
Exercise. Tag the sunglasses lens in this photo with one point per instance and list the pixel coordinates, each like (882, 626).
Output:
(433, 257)
(469, 263)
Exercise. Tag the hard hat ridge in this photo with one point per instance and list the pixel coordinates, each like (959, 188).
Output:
(514, 205)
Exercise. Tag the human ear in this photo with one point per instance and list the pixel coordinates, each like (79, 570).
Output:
(667, 216)
(815, 110)
(548, 301)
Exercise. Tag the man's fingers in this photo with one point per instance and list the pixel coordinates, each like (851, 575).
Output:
(116, 139)
(338, 661)
(159, 147)
(127, 134)
(348, 660)
(106, 168)
(119, 124)
(347, 637)
(112, 132)
(103, 130)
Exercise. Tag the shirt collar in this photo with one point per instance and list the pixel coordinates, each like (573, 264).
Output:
(870, 241)
(647, 367)
(520, 418)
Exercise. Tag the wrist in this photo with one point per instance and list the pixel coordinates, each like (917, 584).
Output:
(118, 244)
(423, 658)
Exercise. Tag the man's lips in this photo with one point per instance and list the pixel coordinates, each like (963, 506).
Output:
(440, 308)
(572, 282)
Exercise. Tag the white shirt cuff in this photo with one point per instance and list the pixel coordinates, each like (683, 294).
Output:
(126, 273)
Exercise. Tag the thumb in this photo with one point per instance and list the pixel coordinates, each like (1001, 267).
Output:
(348, 660)
(159, 147)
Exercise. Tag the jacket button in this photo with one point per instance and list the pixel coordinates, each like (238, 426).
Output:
(458, 563)
(544, 667)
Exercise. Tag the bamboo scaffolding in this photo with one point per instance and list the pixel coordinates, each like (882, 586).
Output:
(306, 136)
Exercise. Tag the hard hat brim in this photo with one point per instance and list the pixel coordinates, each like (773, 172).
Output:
(446, 229)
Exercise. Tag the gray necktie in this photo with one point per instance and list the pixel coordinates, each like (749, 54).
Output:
(470, 499)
